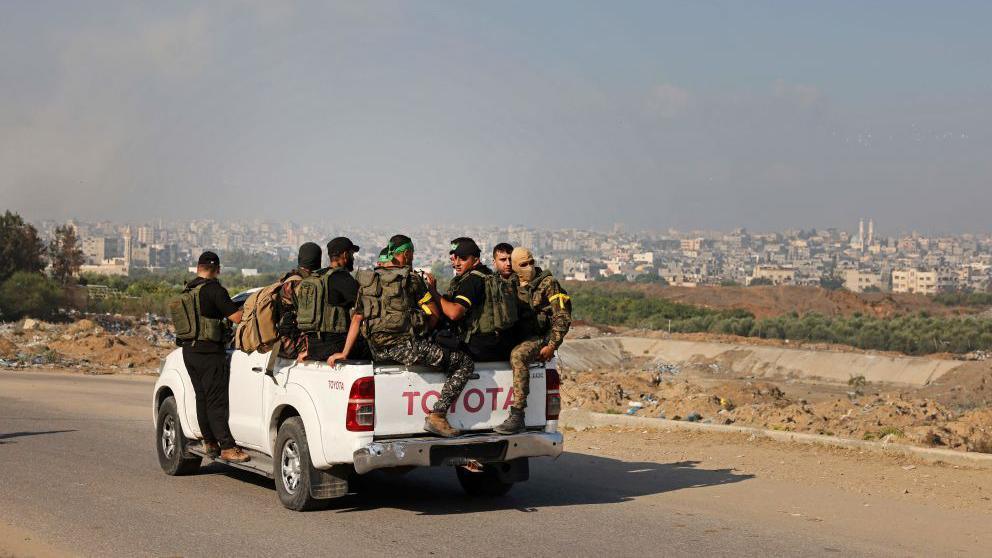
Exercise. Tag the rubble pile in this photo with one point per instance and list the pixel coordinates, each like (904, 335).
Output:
(903, 417)
(95, 344)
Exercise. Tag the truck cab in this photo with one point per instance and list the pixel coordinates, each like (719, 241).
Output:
(315, 428)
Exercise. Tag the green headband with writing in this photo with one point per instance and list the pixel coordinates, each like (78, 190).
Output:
(400, 249)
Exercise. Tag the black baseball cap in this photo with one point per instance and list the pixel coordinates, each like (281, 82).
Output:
(208, 258)
(309, 256)
(340, 244)
(465, 247)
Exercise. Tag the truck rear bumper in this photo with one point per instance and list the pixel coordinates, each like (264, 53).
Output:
(484, 448)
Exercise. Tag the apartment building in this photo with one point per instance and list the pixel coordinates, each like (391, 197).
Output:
(778, 275)
(922, 282)
(858, 281)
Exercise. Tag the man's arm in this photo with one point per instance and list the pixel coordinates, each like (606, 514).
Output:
(222, 300)
(349, 342)
(457, 308)
(561, 317)
(454, 311)
(428, 306)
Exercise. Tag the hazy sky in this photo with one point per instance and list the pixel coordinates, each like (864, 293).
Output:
(655, 114)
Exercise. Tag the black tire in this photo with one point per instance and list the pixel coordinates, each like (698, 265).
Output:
(171, 443)
(485, 484)
(292, 457)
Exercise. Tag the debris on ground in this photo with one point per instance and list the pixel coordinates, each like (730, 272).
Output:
(98, 344)
(908, 416)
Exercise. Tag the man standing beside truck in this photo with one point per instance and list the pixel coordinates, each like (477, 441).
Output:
(198, 315)
(394, 312)
(545, 316)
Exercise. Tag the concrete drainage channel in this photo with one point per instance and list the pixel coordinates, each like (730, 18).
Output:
(578, 419)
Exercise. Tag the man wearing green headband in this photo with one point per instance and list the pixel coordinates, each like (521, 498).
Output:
(394, 312)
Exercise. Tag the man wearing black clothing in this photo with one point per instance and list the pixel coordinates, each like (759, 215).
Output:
(466, 299)
(206, 362)
(342, 290)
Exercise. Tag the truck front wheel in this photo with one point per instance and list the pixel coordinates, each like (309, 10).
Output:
(171, 443)
(292, 466)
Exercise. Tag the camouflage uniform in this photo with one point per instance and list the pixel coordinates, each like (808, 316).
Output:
(456, 364)
(292, 341)
(545, 317)
(409, 349)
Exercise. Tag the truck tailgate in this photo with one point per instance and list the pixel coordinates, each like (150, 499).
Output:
(405, 394)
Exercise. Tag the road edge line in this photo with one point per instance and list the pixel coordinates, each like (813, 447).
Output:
(577, 418)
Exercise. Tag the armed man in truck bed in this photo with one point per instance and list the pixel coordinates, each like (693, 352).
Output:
(325, 303)
(545, 315)
(480, 306)
(293, 342)
(394, 312)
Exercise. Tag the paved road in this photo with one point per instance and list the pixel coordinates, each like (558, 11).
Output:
(78, 472)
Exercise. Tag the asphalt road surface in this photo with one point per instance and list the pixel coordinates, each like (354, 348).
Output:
(79, 476)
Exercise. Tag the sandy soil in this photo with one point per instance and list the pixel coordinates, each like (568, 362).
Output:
(952, 414)
(98, 346)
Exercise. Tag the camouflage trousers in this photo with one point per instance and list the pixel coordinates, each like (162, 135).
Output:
(521, 357)
(455, 364)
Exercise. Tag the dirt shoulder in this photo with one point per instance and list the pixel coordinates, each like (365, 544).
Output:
(18, 543)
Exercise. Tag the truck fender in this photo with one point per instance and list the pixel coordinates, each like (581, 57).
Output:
(297, 399)
(169, 380)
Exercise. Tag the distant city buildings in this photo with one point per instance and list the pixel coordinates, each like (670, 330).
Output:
(860, 261)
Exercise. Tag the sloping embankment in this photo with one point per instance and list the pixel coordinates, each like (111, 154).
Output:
(746, 360)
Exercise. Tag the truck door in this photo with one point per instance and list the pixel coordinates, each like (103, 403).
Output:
(248, 376)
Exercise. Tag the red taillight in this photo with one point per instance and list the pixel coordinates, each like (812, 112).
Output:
(360, 416)
(553, 405)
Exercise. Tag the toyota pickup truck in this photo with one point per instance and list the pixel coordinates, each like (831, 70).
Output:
(314, 428)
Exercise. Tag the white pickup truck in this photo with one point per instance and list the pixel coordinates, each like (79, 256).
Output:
(313, 427)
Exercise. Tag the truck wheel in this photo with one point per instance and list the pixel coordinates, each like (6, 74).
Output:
(292, 466)
(486, 484)
(171, 443)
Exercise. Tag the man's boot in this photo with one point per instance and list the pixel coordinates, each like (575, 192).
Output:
(234, 455)
(437, 423)
(513, 424)
(211, 449)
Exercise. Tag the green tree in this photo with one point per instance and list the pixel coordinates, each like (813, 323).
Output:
(650, 278)
(65, 254)
(831, 282)
(20, 247)
(26, 294)
(759, 281)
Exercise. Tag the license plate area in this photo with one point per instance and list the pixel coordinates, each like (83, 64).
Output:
(462, 454)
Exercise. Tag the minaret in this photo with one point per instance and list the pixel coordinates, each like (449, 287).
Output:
(871, 231)
(127, 249)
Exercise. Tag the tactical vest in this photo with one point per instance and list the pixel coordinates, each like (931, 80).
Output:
(499, 310)
(387, 301)
(536, 316)
(188, 320)
(313, 313)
